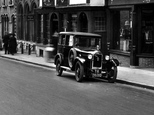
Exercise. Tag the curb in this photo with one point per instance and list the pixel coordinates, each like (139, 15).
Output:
(118, 80)
(28, 62)
(135, 84)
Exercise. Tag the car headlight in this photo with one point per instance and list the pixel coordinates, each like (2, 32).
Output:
(90, 56)
(107, 57)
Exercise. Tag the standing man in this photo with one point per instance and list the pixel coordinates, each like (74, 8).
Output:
(6, 42)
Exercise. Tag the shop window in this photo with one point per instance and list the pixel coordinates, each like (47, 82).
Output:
(147, 31)
(122, 30)
(99, 23)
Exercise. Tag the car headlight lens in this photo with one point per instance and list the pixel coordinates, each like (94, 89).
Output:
(90, 56)
(107, 57)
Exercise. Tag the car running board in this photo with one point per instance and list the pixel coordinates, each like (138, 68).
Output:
(65, 68)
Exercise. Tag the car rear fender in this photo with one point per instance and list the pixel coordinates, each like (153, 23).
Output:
(58, 56)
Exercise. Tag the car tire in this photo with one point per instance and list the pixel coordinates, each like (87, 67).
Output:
(59, 70)
(71, 57)
(79, 72)
(112, 75)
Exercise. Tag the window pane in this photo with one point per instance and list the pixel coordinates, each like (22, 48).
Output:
(99, 23)
(147, 31)
(122, 30)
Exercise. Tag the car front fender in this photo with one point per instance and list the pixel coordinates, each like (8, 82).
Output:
(78, 59)
(82, 60)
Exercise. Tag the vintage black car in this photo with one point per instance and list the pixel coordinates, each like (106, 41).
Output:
(80, 52)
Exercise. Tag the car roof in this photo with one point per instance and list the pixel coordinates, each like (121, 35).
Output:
(80, 33)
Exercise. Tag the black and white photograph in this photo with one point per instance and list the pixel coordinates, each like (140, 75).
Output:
(77, 57)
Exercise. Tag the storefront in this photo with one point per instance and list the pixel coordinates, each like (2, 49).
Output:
(70, 15)
(131, 32)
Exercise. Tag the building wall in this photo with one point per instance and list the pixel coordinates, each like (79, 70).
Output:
(7, 12)
(140, 21)
(25, 19)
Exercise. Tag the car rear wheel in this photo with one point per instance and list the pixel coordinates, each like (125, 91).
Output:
(79, 72)
(59, 70)
(112, 75)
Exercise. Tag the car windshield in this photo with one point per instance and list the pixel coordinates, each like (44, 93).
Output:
(87, 41)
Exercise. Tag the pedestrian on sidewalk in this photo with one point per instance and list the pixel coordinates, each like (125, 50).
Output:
(12, 44)
(6, 42)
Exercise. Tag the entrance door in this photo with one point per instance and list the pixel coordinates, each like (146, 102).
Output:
(83, 23)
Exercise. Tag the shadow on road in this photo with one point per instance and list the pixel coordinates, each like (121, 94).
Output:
(85, 80)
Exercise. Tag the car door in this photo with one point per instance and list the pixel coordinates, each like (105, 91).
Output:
(61, 42)
(66, 49)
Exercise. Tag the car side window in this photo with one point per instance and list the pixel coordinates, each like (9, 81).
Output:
(93, 42)
(59, 40)
(71, 42)
(67, 40)
(63, 39)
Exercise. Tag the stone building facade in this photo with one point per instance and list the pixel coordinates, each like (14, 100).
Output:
(25, 19)
(8, 17)
(127, 27)
(69, 15)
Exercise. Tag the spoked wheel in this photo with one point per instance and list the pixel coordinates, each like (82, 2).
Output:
(112, 75)
(59, 70)
(79, 72)
(71, 57)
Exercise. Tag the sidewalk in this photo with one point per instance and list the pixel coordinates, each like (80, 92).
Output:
(136, 77)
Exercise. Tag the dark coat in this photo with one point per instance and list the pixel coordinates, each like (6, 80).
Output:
(6, 40)
(12, 45)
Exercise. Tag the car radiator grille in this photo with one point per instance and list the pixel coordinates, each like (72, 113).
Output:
(97, 60)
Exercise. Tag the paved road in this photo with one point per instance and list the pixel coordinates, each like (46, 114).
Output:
(29, 90)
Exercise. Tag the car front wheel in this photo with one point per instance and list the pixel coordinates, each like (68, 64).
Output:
(79, 72)
(112, 75)
(59, 70)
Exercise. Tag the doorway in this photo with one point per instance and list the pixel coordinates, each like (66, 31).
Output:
(83, 22)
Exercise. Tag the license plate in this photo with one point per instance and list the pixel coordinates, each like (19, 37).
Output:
(96, 75)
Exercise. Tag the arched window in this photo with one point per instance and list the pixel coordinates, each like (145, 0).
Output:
(27, 24)
(20, 17)
(31, 21)
(83, 22)
(13, 18)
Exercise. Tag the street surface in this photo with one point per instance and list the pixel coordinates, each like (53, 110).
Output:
(32, 90)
